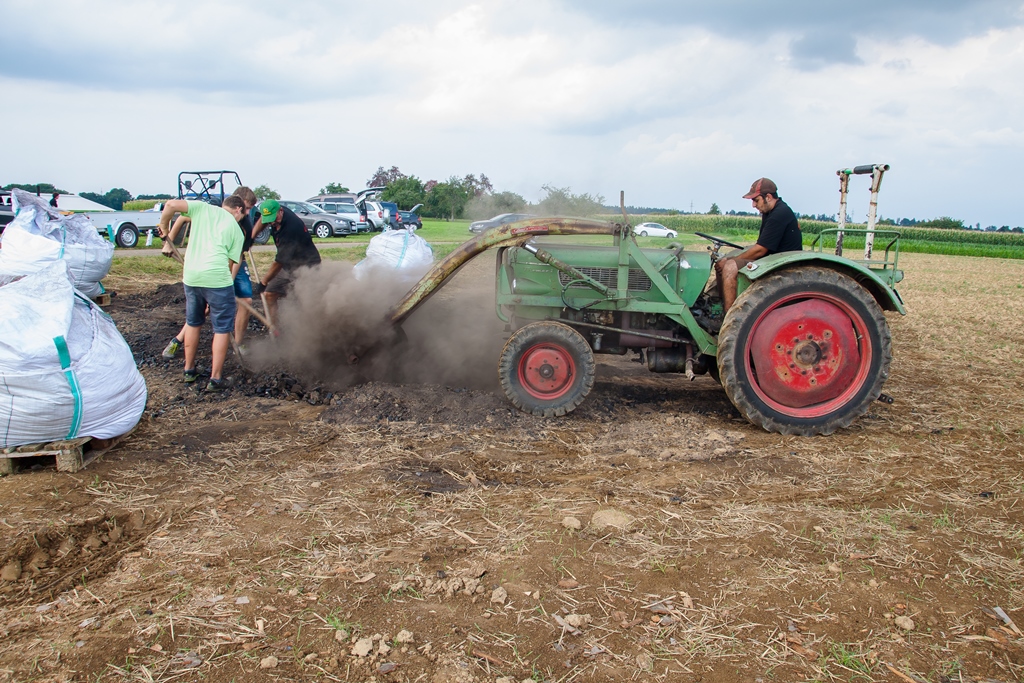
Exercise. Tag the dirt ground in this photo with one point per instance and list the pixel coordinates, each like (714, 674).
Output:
(304, 527)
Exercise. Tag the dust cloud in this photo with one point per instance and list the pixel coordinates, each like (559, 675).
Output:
(453, 339)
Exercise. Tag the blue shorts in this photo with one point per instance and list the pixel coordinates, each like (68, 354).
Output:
(243, 285)
(222, 307)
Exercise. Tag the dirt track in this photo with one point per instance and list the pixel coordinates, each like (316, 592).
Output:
(293, 521)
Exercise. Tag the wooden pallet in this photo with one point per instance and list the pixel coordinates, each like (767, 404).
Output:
(68, 456)
(102, 299)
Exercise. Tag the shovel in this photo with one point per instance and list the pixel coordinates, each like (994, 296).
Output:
(263, 297)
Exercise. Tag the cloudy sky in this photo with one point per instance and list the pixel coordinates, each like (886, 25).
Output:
(678, 102)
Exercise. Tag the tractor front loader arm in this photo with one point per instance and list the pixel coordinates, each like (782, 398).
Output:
(510, 235)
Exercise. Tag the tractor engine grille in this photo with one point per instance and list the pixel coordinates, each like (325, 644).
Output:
(638, 280)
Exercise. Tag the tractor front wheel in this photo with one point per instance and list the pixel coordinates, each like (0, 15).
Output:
(546, 369)
(804, 351)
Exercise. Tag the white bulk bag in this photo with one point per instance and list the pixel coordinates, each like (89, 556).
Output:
(397, 250)
(65, 370)
(39, 234)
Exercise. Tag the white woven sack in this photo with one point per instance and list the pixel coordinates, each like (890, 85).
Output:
(397, 250)
(39, 235)
(65, 370)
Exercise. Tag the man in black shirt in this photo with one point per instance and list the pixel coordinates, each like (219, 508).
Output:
(780, 231)
(295, 249)
(240, 271)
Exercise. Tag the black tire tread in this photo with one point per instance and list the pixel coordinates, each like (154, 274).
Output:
(121, 230)
(531, 334)
(729, 337)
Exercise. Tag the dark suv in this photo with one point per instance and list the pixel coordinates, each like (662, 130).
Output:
(394, 219)
(410, 219)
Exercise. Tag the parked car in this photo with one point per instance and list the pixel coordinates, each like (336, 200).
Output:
(349, 197)
(319, 222)
(394, 219)
(654, 230)
(410, 219)
(376, 215)
(347, 210)
(500, 219)
(6, 210)
(368, 201)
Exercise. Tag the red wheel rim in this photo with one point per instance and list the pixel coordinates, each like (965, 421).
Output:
(546, 371)
(808, 355)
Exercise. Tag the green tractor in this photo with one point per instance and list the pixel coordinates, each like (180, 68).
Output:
(804, 350)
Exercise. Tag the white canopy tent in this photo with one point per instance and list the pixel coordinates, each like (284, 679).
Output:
(72, 202)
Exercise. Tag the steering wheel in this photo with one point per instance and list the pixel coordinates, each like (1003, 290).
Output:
(717, 240)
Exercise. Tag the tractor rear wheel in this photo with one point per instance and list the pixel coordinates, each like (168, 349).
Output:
(546, 369)
(804, 351)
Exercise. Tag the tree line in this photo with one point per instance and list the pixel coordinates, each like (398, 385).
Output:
(114, 199)
(470, 196)
(474, 197)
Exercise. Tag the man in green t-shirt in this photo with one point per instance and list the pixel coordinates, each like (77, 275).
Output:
(215, 245)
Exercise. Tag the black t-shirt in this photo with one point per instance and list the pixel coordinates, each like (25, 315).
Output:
(295, 247)
(780, 230)
(246, 225)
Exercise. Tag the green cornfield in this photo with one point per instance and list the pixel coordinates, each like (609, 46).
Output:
(912, 239)
(140, 204)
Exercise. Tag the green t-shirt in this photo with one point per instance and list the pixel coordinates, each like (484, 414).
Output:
(213, 240)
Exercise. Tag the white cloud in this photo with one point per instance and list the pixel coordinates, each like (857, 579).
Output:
(716, 149)
(127, 94)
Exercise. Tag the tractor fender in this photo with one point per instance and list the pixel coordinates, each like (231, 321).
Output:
(887, 297)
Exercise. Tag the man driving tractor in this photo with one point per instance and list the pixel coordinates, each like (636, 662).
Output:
(780, 231)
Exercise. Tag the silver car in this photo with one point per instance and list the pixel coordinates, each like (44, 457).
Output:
(376, 215)
(499, 220)
(319, 222)
(654, 230)
(347, 210)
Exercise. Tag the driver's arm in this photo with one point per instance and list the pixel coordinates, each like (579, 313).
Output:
(752, 253)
